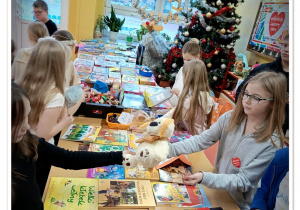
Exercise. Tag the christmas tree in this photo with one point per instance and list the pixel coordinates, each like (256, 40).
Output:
(214, 23)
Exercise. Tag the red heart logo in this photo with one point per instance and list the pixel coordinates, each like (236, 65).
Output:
(276, 22)
(236, 162)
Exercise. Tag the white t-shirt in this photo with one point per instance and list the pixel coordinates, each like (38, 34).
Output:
(179, 85)
(282, 198)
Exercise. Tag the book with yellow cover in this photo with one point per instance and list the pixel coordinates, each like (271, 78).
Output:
(125, 194)
(78, 132)
(167, 193)
(141, 172)
(72, 194)
(112, 137)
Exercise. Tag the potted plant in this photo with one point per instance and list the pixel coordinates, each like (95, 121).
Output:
(114, 24)
(141, 32)
(100, 26)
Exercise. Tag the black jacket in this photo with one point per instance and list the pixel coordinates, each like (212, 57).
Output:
(276, 67)
(25, 191)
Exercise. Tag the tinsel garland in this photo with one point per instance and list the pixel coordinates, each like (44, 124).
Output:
(211, 54)
(174, 52)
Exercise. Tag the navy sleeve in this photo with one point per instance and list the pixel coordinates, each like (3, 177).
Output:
(66, 159)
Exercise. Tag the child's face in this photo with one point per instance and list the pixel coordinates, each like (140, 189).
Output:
(284, 50)
(25, 126)
(40, 14)
(188, 57)
(252, 107)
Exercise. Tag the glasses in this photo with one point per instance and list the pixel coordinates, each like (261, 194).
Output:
(37, 12)
(254, 99)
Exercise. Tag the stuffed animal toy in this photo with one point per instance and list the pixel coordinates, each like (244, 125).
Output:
(239, 66)
(154, 146)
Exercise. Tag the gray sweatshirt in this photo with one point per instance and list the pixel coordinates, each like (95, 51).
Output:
(240, 161)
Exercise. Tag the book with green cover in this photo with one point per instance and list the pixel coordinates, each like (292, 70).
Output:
(112, 137)
(104, 148)
(78, 132)
(72, 194)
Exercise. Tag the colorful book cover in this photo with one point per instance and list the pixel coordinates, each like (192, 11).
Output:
(125, 194)
(72, 194)
(79, 61)
(195, 197)
(131, 141)
(143, 88)
(167, 193)
(104, 148)
(128, 71)
(164, 105)
(109, 64)
(102, 70)
(116, 75)
(147, 81)
(130, 88)
(107, 172)
(112, 137)
(83, 147)
(111, 80)
(83, 76)
(99, 60)
(141, 172)
(130, 79)
(86, 56)
(83, 68)
(132, 60)
(134, 101)
(77, 132)
(180, 136)
(98, 77)
(114, 69)
(112, 58)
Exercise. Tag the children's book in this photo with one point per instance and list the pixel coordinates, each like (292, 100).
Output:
(111, 58)
(101, 70)
(132, 141)
(130, 79)
(141, 172)
(83, 76)
(107, 172)
(114, 69)
(134, 101)
(125, 194)
(79, 61)
(86, 56)
(83, 147)
(72, 194)
(85, 133)
(147, 81)
(98, 77)
(130, 88)
(99, 60)
(83, 68)
(112, 137)
(109, 64)
(195, 196)
(128, 71)
(167, 193)
(180, 136)
(115, 75)
(104, 148)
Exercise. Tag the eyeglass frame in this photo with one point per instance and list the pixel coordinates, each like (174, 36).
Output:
(250, 97)
(38, 12)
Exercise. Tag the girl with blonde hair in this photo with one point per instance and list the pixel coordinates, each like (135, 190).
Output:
(248, 139)
(190, 51)
(36, 30)
(193, 111)
(44, 81)
(66, 38)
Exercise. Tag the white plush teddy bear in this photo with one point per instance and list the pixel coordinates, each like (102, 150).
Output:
(154, 147)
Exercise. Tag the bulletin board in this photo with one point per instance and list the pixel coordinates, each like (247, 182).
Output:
(271, 25)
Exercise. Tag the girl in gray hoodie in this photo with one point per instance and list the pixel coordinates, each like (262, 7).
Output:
(248, 139)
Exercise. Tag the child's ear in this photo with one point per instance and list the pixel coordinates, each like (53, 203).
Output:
(198, 56)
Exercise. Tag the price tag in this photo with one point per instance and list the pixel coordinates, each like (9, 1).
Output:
(125, 118)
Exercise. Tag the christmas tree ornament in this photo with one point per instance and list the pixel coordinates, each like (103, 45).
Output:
(219, 3)
(231, 44)
(231, 28)
(209, 65)
(176, 42)
(223, 31)
(173, 75)
(165, 60)
(159, 76)
(186, 33)
(215, 78)
(222, 60)
(208, 28)
(229, 3)
(186, 21)
(232, 14)
(216, 52)
(189, 9)
(208, 15)
(213, 3)
(228, 31)
(203, 41)
(223, 66)
(237, 20)
(174, 65)
(204, 2)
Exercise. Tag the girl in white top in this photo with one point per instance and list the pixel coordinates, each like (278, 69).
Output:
(36, 30)
(44, 82)
(193, 111)
(66, 37)
(190, 51)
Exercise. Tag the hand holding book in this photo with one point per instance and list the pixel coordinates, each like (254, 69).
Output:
(192, 179)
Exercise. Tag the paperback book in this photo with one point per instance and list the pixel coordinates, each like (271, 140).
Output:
(107, 172)
(167, 193)
(195, 196)
(141, 172)
(78, 132)
(132, 141)
(112, 137)
(104, 148)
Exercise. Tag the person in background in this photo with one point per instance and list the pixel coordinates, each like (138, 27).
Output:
(280, 65)
(194, 109)
(248, 138)
(190, 51)
(274, 190)
(40, 11)
(36, 30)
(27, 149)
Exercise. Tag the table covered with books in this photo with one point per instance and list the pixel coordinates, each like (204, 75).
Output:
(94, 188)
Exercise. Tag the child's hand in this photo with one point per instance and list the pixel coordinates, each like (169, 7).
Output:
(192, 179)
(67, 120)
(175, 91)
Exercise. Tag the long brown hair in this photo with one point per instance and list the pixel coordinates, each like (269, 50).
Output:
(27, 147)
(192, 47)
(276, 85)
(37, 30)
(46, 68)
(195, 79)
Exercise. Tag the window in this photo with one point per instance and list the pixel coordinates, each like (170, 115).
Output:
(124, 9)
(54, 10)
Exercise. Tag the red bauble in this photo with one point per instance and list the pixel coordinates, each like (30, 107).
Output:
(147, 23)
(176, 35)
(231, 28)
(203, 41)
(196, 12)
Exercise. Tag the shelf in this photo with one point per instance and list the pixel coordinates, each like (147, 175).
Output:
(262, 55)
(228, 94)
